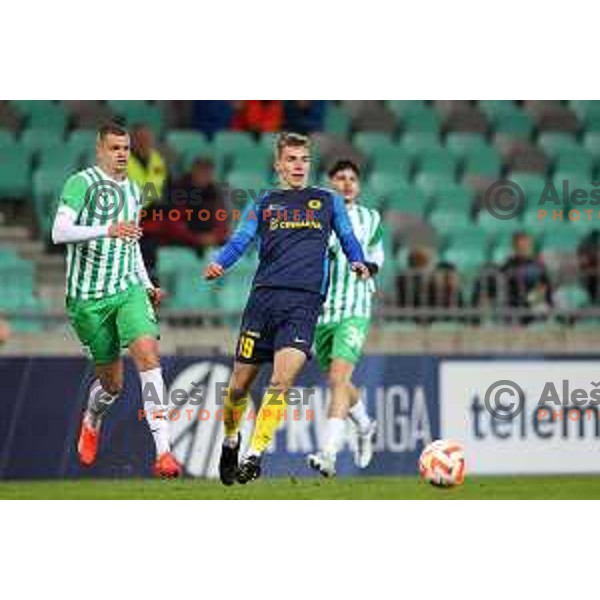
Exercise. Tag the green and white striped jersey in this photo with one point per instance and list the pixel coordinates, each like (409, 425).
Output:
(348, 295)
(105, 266)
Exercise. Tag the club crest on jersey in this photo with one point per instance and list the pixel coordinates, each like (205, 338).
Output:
(315, 204)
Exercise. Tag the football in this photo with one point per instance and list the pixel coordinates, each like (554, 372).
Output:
(442, 463)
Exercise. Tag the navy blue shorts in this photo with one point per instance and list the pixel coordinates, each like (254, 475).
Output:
(277, 318)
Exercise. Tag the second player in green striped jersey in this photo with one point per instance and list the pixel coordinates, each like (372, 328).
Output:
(106, 265)
(349, 296)
(344, 325)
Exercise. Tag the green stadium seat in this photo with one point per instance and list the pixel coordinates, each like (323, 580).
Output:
(592, 123)
(430, 182)
(591, 142)
(501, 251)
(567, 241)
(255, 158)
(485, 163)
(446, 220)
(188, 143)
(574, 181)
(15, 166)
(7, 139)
(465, 260)
(463, 145)
(576, 160)
(406, 198)
(385, 184)
(401, 107)
(584, 225)
(193, 293)
(268, 140)
(337, 120)
(497, 228)
(516, 124)
(82, 141)
(8, 256)
(226, 143)
(39, 139)
(473, 239)
(52, 119)
(415, 144)
(554, 143)
(136, 112)
(371, 198)
(420, 119)
(585, 108)
(453, 196)
(392, 161)
(29, 107)
(495, 108)
(438, 162)
(545, 225)
(372, 143)
(67, 157)
(251, 182)
(532, 185)
(48, 182)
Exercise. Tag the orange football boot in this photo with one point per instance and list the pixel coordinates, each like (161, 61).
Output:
(166, 466)
(87, 446)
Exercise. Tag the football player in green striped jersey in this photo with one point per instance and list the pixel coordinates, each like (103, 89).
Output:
(343, 327)
(110, 300)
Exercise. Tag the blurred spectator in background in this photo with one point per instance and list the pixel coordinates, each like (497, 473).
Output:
(412, 283)
(146, 165)
(304, 116)
(588, 253)
(211, 116)
(148, 169)
(4, 332)
(444, 290)
(258, 116)
(527, 282)
(201, 191)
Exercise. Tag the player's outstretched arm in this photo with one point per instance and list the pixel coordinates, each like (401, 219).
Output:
(235, 247)
(350, 245)
(66, 231)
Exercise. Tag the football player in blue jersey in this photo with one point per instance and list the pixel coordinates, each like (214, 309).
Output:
(292, 226)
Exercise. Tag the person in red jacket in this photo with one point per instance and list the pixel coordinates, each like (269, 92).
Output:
(258, 116)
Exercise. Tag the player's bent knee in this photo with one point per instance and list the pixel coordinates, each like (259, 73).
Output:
(144, 352)
(114, 387)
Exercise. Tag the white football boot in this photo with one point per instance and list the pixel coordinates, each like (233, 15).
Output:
(323, 463)
(364, 446)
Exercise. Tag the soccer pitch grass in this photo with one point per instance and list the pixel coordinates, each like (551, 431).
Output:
(364, 488)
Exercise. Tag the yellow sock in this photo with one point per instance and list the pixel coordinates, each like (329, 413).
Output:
(233, 413)
(272, 412)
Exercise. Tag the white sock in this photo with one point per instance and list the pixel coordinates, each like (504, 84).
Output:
(334, 435)
(358, 415)
(99, 401)
(153, 391)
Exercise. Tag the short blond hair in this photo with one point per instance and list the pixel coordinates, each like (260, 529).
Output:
(293, 140)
